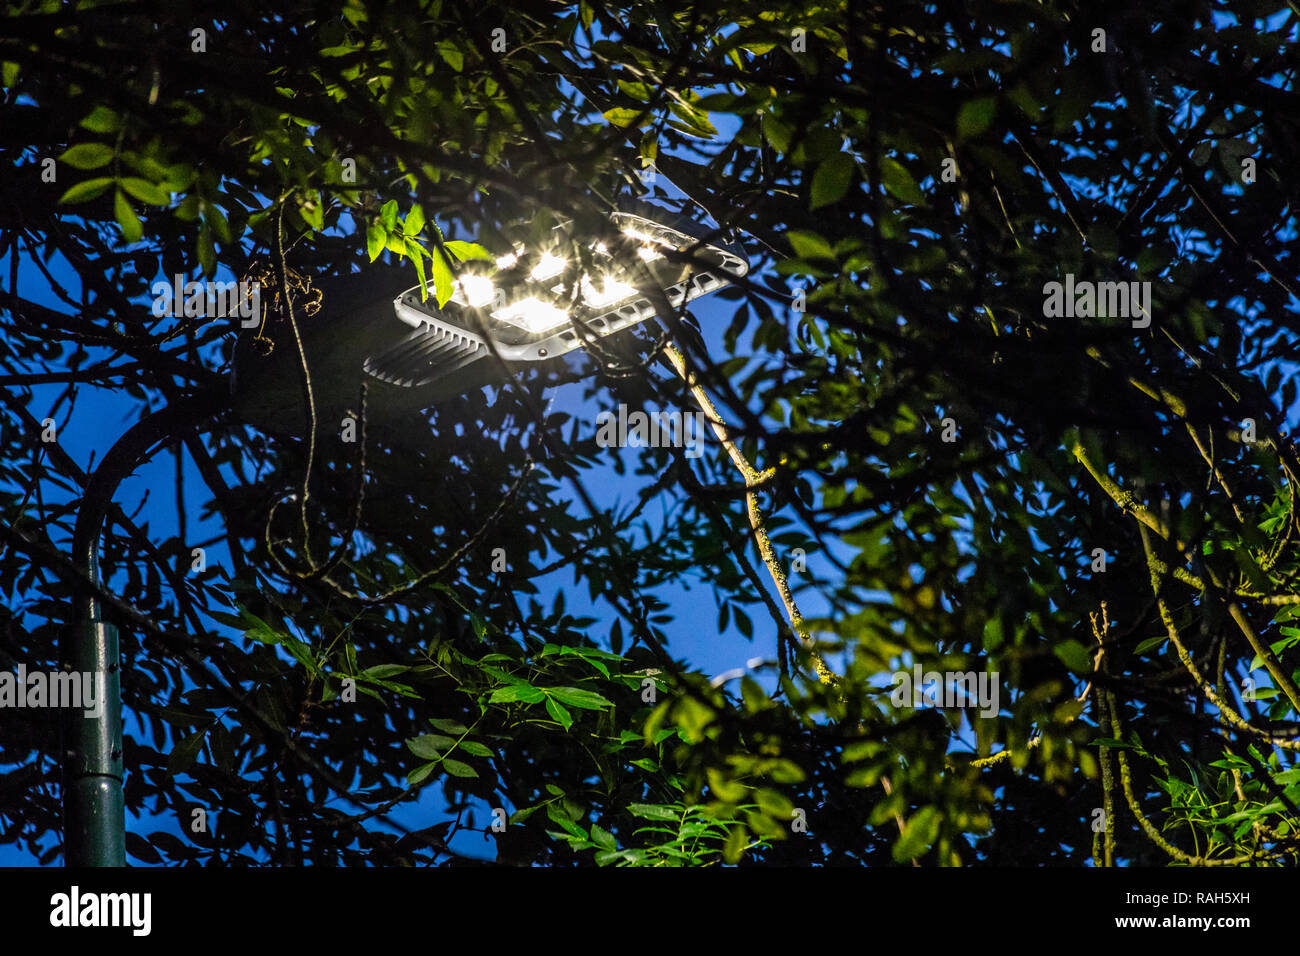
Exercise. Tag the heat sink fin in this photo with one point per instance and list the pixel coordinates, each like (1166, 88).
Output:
(424, 356)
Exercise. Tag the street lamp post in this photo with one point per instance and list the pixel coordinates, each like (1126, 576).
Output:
(94, 814)
(411, 353)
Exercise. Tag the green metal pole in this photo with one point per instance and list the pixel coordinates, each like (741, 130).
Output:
(94, 812)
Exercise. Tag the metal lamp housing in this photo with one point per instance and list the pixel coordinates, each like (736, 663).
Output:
(374, 330)
(447, 339)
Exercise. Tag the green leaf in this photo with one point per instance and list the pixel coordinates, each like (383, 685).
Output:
(86, 190)
(442, 287)
(559, 713)
(559, 816)
(729, 790)
(918, 834)
(641, 92)
(301, 652)
(774, 803)
(313, 214)
(206, 252)
(146, 191)
(101, 120)
(975, 116)
(376, 238)
(258, 630)
(214, 217)
(1149, 643)
(388, 215)
(87, 155)
(752, 693)
(1074, 656)
(475, 749)
(519, 816)
(575, 697)
(417, 254)
(809, 245)
(603, 838)
(468, 250)
(185, 753)
(626, 117)
(413, 224)
(126, 218)
(785, 771)
(654, 811)
(695, 120)
(734, 847)
(384, 671)
(830, 182)
(776, 133)
(419, 773)
(450, 52)
(430, 746)
(899, 182)
(458, 769)
(863, 777)
(524, 693)
(449, 726)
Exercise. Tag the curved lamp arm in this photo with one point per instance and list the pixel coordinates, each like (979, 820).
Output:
(93, 809)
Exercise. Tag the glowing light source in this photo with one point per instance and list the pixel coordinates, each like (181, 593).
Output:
(548, 267)
(647, 252)
(534, 290)
(477, 290)
(611, 291)
(532, 315)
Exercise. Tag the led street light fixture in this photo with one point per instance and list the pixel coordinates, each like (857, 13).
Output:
(527, 316)
(530, 305)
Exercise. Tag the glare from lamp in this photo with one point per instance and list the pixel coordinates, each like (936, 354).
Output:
(532, 315)
(477, 291)
(647, 252)
(612, 291)
(548, 267)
